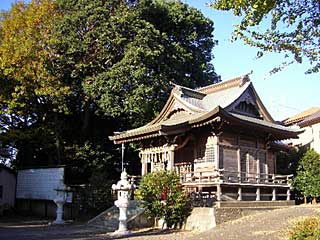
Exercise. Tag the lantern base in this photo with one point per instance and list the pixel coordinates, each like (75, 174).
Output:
(120, 233)
(57, 222)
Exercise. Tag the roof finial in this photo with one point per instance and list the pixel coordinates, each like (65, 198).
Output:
(245, 78)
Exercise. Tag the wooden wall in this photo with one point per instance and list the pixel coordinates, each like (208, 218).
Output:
(252, 152)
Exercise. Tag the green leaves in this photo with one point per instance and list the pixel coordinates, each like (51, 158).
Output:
(293, 27)
(306, 228)
(78, 70)
(308, 174)
(163, 197)
(25, 32)
(122, 57)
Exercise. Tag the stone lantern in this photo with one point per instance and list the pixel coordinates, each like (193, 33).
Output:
(123, 189)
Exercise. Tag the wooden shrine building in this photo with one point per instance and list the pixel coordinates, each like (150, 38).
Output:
(220, 139)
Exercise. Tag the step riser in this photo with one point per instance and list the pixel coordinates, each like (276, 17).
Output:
(108, 219)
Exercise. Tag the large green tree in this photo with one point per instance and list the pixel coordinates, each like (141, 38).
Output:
(287, 26)
(91, 67)
(120, 57)
(29, 95)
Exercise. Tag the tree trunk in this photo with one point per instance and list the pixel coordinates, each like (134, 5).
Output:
(314, 200)
(305, 200)
(57, 143)
(85, 117)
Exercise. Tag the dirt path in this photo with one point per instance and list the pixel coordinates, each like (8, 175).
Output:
(268, 225)
(263, 226)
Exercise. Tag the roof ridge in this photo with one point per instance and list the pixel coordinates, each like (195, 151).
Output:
(234, 82)
(184, 89)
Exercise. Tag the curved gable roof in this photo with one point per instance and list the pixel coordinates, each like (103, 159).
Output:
(202, 106)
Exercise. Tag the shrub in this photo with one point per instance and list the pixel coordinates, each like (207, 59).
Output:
(307, 180)
(163, 198)
(306, 229)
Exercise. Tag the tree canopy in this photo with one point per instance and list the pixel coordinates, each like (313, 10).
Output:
(293, 27)
(120, 57)
(28, 93)
(74, 71)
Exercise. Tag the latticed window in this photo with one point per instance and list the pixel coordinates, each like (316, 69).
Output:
(210, 154)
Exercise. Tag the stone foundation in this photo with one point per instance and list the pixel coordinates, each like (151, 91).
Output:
(201, 219)
(205, 218)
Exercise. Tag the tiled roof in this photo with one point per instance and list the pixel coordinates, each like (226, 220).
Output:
(310, 120)
(203, 105)
(235, 82)
(155, 128)
(265, 123)
(301, 116)
(224, 97)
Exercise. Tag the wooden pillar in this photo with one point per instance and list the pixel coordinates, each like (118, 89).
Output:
(215, 143)
(274, 194)
(219, 192)
(258, 194)
(239, 194)
(239, 163)
(170, 166)
(258, 168)
(288, 194)
(144, 160)
(239, 159)
(143, 168)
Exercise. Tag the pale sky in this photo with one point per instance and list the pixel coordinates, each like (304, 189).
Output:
(284, 94)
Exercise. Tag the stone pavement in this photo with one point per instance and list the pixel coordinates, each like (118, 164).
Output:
(268, 225)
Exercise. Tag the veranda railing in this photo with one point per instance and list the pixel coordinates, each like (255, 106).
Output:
(225, 176)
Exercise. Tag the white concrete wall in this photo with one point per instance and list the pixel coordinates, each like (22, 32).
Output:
(311, 135)
(39, 183)
(8, 182)
(316, 137)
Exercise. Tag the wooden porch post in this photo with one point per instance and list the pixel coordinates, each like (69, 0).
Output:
(288, 194)
(274, 194)
(219, 192)
(239, 163)
(258, 194)
(239, 194)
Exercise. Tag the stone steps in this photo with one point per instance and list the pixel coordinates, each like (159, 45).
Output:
(108, 219)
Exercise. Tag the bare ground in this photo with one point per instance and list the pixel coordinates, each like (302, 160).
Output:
(267, 225)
